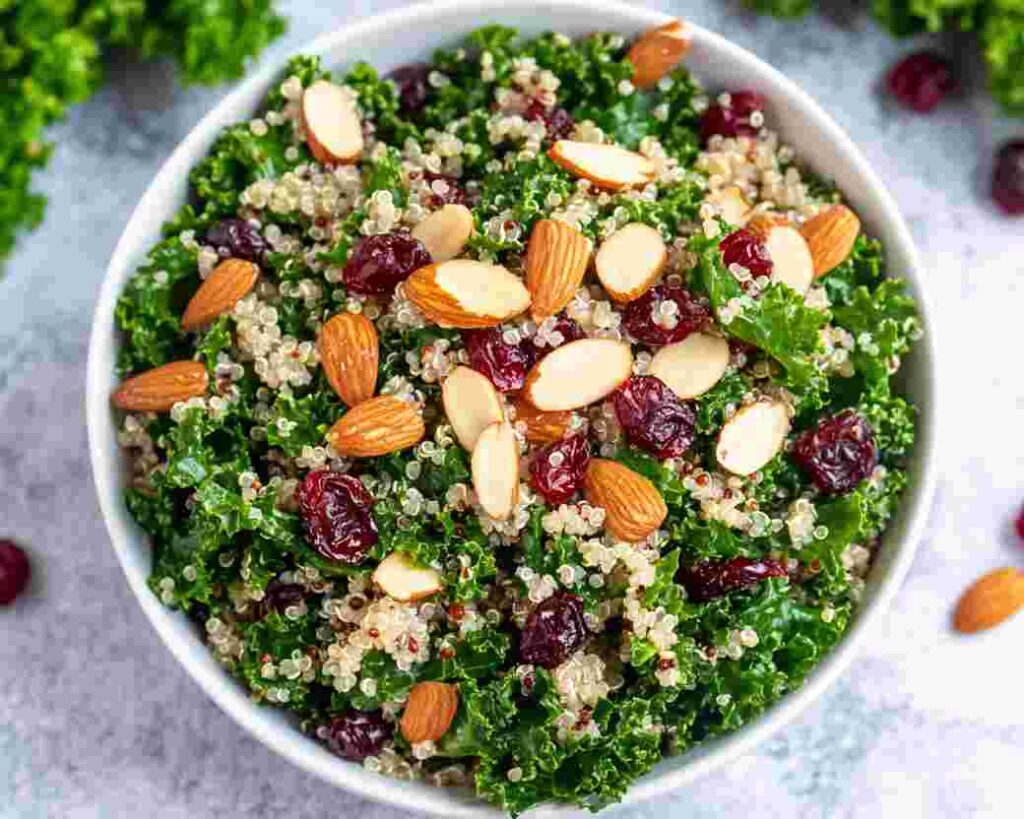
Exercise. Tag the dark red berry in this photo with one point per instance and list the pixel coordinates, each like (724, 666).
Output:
(279, 596)
(1019, 523)
(1008, 177)
(746, 249)
(713, 578)
(732, 120)
(444, 189)
(553, 631)
(557, 470)
(14, 571)
(237, 238)
(653, 417)
(336, 511)
(411, 83)
(558, 122)
(504, 363)
(648, 321)
(356, 735)
(920, 81)
(838, 452)
(378, 263)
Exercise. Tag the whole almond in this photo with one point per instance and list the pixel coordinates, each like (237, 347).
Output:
(376, 427)
(540, 426)
(220, 292)
(429, 711)
(657, 51)
(349, 355)
(159, 389)
(556, 259)
(991, 599)
(830, 235)
(633, 507)
(444, 233)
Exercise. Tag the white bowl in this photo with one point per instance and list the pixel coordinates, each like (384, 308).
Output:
(400, 37)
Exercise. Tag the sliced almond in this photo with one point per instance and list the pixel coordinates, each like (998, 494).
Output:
(692, 366)
(632, 504)
(334, 131)
(429, 711)
(464, 293)
(376, 427)
(990, 600)
(541, 427)
(752, 436)
(657, 51)
(630, 261)
(791, 257)
(471, 404)
(556, 259)
(607, 166)
(495, 468)
(445, 232)
(349, 355)
(159, 389)
(401, 578)
(830, 236)
(578, 373)
(731, 204)
(228, 282)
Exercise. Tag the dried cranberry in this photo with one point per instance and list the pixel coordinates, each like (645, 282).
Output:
(279, 596)
(744, 248)
(557, 470)
(14, 571)
(838, 453)
(653, 417)
(378, 263)
(920, 81)
(356, 734)
(237, 238)
(651, 319)
(411, 83)
(336, 511)
(1008, 177)
(558, 122)
(491, 354)
(732, 120)
(713, 578)
(553, 631)
(1019, 524)
(444, 189)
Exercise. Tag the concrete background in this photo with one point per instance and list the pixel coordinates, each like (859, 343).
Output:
(97, 720)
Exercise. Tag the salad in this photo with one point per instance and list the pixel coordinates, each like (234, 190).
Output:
(518, 419)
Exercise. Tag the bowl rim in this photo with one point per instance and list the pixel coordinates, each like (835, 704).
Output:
(284, 739)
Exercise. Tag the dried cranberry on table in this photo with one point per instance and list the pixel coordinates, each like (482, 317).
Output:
(412, 86)
(337, 514)
(921, 80)
(653, 417)
(356, 735)
(709, 579)
(15, 571)
(558, 122)
(746, 249)
(491, 354)
(734, 118)
(664, 315)
(237, 238)
(557, 470)
(554, 630)
(377, 264)
(838, 452)
(1008, 177)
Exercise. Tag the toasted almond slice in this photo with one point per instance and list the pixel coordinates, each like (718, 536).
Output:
(731, 204)
(630, 261)
(495, 468)
(607, 166)
(541, 427)
(349, 355)
(578, 373)
(401, 578)
(556, 259)
(429, 711)
(334, 131)
(752, 436)
(471, 404)
(159, 389)
(228, 282)
(633, 507)
(657, 51)
(376, 427)
(464, 293)
(791, 257)
(990, 600)
(830, 235)
(445, 232)
(692, 366)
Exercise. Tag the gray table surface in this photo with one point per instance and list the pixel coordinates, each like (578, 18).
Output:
(96, 718)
